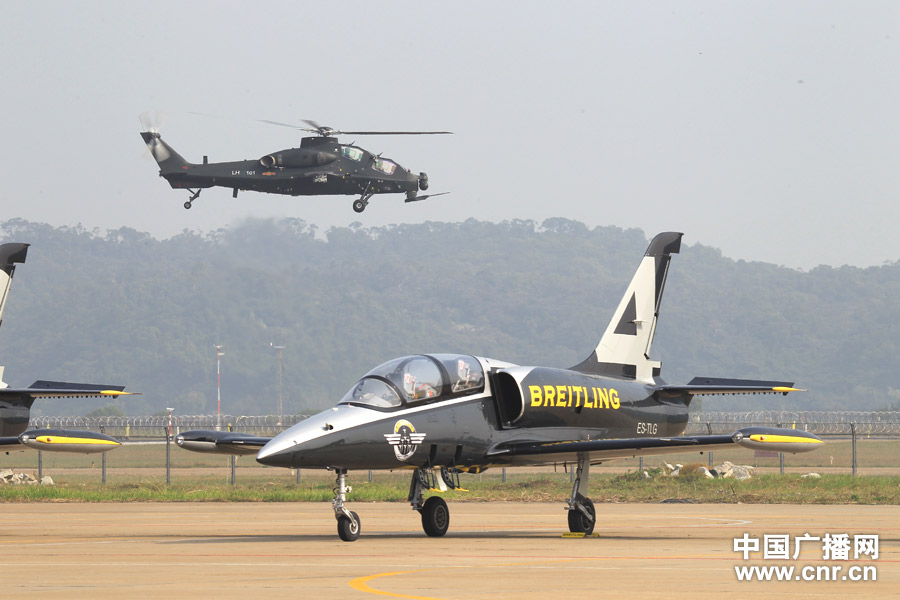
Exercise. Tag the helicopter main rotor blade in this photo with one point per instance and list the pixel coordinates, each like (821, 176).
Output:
(279, 124)
(328, 131)
(395, 132)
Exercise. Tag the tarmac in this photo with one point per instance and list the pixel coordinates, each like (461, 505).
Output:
(492, 551)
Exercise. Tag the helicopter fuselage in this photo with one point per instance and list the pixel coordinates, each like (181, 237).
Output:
(320, 166)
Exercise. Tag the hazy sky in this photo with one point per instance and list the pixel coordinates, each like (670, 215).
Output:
(766, 129)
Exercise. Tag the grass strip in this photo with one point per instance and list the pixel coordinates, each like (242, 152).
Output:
(630, 487)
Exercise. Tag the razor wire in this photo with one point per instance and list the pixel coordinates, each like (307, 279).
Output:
(153, 426)
(817, 422)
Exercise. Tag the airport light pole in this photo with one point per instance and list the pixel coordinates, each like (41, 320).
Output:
(280, 370)
(219, 355)
(168, 448)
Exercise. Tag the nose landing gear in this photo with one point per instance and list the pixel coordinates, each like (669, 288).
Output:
(348, 523)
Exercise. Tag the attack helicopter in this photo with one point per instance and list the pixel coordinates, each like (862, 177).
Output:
(440, 415)
(320, 166)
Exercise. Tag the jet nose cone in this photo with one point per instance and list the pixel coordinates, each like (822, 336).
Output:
(276, 453)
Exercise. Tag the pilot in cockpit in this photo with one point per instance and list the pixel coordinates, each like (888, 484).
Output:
(468, 378)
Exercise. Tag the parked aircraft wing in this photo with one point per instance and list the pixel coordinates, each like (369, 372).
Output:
(11, 444)
(220, 442)
(59, 440)
(757, 438)
(62, 440)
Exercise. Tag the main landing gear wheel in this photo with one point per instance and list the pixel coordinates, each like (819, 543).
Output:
(359, 206)
(435, 516)
(578, 522)
(348, 529)
(187, 204)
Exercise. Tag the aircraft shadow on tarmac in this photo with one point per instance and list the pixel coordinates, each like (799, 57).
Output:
(268, 539)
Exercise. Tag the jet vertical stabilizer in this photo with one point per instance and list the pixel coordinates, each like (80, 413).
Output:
(10, 254)
(624, 349)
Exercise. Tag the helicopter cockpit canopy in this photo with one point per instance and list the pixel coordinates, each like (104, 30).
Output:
(417, 379)
(384, 165)
(352, 152)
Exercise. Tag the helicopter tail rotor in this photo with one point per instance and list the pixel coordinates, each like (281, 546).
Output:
(168, 160)
(151, 121)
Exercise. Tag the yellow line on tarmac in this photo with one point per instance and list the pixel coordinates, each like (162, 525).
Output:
(362, 584)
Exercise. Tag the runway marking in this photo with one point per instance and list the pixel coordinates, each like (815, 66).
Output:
(361, 584)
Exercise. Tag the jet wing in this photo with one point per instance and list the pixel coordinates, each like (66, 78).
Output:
(756, 438)
(221, 442)
(703, 386)
(11, 444)
(60, 440)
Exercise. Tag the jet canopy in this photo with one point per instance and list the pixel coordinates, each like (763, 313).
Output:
(417, 379)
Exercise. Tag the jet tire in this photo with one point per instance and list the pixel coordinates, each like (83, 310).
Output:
(359, 206)
(435, 516)
(578, 523)
(347, 530)
(187, 204)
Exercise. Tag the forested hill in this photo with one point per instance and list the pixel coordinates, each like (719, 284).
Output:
(123, 307)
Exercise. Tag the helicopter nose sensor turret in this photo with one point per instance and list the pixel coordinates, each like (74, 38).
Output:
(423, 181)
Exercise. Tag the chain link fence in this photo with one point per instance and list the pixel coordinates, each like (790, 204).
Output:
(857, 442)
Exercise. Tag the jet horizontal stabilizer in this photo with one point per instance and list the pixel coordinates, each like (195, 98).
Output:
(700, 386)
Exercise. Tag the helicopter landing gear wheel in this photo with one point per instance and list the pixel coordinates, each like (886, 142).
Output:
(435, 516)
(193, 197)
(578, 521)
(349, 527)
(359, 206)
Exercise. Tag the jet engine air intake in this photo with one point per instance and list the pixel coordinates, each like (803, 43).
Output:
(546, 397)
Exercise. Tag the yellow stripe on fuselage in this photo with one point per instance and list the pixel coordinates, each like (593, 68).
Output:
(783, 439)
(57, 439)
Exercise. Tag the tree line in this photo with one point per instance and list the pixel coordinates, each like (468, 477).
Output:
(121, 306)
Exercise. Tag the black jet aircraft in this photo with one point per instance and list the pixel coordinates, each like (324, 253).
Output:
(320, 166)
(15, 403)
(444, 414)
